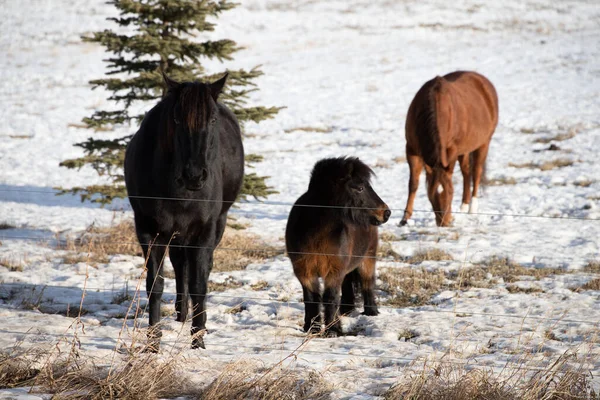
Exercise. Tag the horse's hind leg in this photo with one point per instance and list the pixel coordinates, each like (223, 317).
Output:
(312, 303)
(465, 168)
(347, 304)
(415, 164)
(181, 267)
(479, 157)
(367, 282)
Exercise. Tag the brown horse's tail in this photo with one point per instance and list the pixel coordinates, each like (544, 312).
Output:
(433, 149)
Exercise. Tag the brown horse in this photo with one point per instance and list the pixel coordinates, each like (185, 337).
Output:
(451, 118)
(332, 234)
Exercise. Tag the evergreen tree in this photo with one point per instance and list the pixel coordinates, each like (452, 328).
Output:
(160, 38)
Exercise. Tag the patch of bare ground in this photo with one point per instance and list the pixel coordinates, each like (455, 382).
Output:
(556, 138)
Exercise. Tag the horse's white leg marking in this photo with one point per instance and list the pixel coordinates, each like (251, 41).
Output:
(464, 208)
(474, 205)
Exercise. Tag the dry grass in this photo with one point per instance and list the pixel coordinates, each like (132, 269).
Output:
(408, 287)
(592, 266)
(6, 225)
(13, 264)
(594, 284)
(260, 285)
(556, 138)
(240, 381)
(17, 366)
(563, 379)
(317, 129)
(385, 250)
(228, 283)
(584, 183)
(527, 290)
(546, 165)
(433, 254)
(239, 249)
(388, 237)
(236, 250)
(97, 244)
(501, 181)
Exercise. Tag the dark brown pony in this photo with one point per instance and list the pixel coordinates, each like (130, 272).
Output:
(332, 234)
(451, 118)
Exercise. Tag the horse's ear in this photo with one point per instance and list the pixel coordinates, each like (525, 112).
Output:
(217, 87)
(170, 83)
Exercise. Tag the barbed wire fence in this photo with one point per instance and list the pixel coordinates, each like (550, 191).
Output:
(281, 302)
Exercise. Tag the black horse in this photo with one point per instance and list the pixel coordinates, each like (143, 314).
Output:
(183, 169)
(332, 234)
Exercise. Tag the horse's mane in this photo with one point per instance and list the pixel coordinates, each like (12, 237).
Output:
(428, 133)
(327, 172)
(192, 99)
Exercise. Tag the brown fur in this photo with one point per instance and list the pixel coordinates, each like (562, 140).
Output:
(332, 235)
(451, 118)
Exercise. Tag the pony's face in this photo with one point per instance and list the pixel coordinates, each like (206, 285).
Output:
(195, 121)
(366, 207)
(440, 192)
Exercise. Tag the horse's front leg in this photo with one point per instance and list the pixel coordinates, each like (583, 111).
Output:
(465, 168)
(154, 249)
(331, 304)
(348, 296)
(181, 267)
(415, 164)
(200, 259)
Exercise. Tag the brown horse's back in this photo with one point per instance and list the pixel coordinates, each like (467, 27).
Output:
(450, 116)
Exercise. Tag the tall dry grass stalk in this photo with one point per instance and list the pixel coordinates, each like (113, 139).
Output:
(567, 378)
(240, 380)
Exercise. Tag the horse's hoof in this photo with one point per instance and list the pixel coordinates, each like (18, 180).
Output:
(312, 328)
(332, 333)
(403, 222)
(370, 311)
(198, 343)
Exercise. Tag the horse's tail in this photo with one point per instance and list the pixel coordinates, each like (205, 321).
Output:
(433, 149)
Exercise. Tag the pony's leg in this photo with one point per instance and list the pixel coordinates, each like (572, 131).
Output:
(181, 267)
(347, 304)
(479, 157)
(465, 168)
(367, 281)
(154, 248)
(200, 259)
(312, 303)
(415, 164)
(331, 305)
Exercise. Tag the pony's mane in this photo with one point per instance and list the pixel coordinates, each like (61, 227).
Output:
(428, 132)
(327, 172)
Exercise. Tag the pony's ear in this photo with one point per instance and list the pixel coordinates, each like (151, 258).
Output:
(171, 84)
(217, 87)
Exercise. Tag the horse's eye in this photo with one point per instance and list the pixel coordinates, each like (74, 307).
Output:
(213, 121)
(359, 188)
(176, 121)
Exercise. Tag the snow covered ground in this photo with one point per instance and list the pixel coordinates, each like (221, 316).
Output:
(346, 72)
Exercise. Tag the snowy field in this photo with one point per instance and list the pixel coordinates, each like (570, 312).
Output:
(346, 72)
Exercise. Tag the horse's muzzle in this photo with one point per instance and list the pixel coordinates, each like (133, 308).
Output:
(381, 216)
